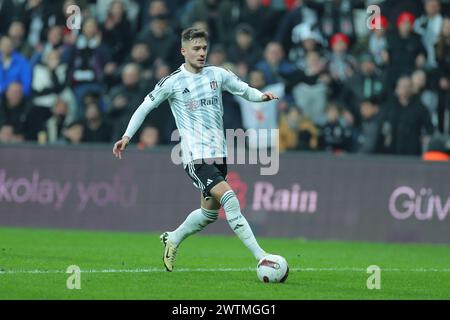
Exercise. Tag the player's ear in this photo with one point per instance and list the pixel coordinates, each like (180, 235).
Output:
(183, 51)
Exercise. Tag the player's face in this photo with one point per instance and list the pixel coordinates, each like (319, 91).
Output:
(195, 53)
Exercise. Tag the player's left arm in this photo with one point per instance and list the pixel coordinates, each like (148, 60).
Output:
(234, 85)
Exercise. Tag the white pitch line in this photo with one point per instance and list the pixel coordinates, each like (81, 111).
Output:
(159, 270)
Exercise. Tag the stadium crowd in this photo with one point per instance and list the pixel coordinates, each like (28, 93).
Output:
(348, 82)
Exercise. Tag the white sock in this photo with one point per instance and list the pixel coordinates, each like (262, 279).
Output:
(196, 221)
(239, 224)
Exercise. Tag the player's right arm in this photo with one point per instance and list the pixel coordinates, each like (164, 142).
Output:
(160, 93)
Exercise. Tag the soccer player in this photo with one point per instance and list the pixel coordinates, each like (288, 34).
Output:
(194, 92)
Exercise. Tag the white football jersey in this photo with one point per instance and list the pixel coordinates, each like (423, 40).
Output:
(196, 104)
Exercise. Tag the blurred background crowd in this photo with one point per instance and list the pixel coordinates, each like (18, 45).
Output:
(348, 82)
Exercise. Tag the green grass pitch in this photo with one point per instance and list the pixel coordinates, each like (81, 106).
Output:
(128, 266)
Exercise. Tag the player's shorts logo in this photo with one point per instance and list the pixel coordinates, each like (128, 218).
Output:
(213, 85)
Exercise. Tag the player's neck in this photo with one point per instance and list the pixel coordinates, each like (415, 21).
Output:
(191, 69)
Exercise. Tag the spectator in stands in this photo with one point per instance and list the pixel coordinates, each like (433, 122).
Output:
(141, 54)
(310, 88)
(201, 24)
(131, 9)
(218, 16)
(125, 98)
(88, 58)
(261, 19)
(256, 117)
(73, 134)
(160, 37)
(280, 5)
(335, 134)
(217, 55)
(7, 135)
(405, 50)
(17, 34)
(368, 135)
(405, 121)
(241, 69)
(341, 64)
(54, 42)
(93, 97)
(149, 138)
(274, 65)
(60, 119)
(95, 127)
(13, 67)
(297, 131)
(443, 59)
(232, 116)
(443, 47)
(116, 32)
(160, 71)
(244, 49)
(393, 8)
(37, 16)
(429, 27)
(377, 45)
(98, 63)
(7, 13)
(300, 14)
(153, 8)
(13, 108)
(305, 39)
(337, 17)
(421, 88)
(49, 83)
(366, 83)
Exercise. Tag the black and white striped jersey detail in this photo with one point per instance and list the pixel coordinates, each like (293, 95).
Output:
(161, 82)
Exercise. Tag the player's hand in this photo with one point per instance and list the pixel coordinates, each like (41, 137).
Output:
(267, 96)
(120, 146)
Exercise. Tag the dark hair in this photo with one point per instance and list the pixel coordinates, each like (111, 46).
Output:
(193, 33)
(75, 123)
(373, 100)
(245, 28)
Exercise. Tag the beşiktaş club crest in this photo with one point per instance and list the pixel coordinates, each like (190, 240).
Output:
(213, 84)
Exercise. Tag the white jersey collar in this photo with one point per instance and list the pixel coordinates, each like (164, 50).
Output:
(191, 73)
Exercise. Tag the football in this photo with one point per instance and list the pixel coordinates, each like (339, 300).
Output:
(272, 268)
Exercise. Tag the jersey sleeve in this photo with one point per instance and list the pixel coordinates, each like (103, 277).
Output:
(161, 92)
(234, 85)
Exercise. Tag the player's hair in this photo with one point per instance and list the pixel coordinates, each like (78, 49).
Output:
(190, 34)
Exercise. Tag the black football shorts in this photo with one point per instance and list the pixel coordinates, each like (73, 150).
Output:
(206, 173)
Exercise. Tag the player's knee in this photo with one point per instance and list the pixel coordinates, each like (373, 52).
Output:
(210, 203)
